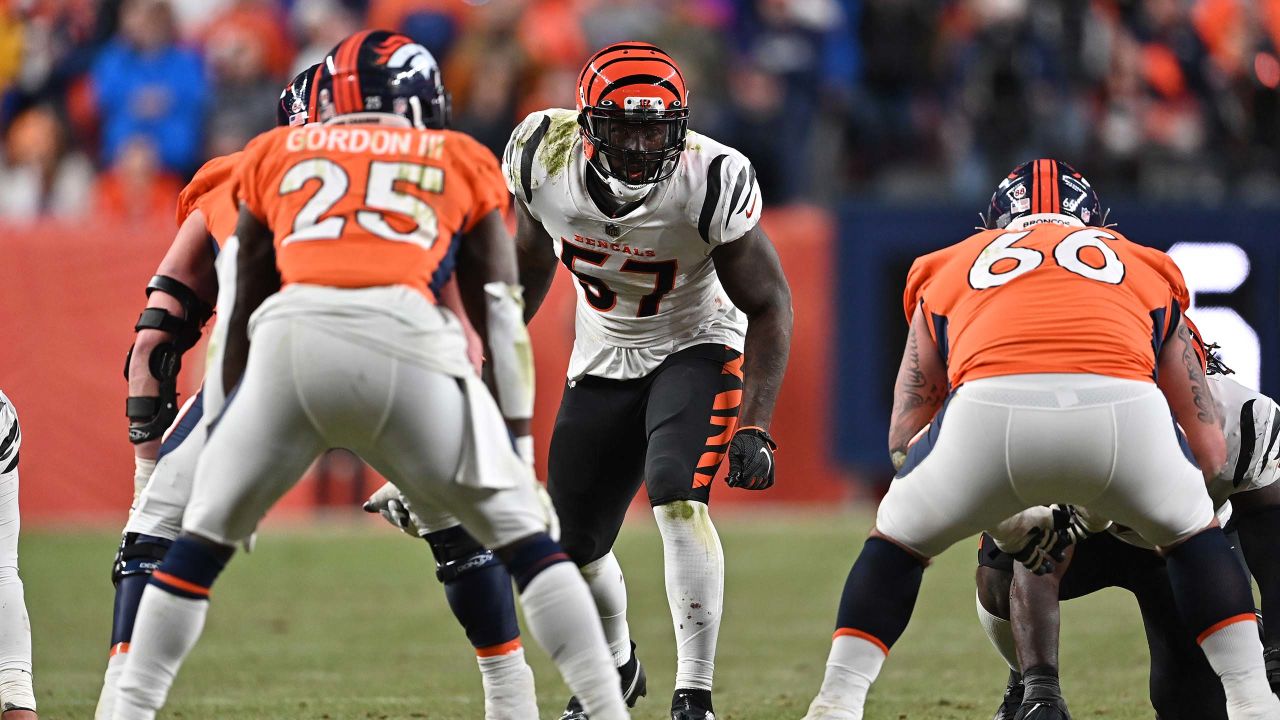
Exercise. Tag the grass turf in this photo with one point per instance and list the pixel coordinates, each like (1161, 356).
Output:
(348, 621)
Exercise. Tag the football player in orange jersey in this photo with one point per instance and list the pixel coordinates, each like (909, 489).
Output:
(1034, 415)
(347, 231)
(477, 586)
(1183, 685)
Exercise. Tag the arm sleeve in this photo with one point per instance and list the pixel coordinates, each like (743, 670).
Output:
(726, 200)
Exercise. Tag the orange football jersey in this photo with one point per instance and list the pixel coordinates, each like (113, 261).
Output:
(1048, 299)
(368, 205)
(212, 191)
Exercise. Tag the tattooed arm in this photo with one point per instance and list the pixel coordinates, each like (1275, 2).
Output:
(1182, 380)
(919, 390)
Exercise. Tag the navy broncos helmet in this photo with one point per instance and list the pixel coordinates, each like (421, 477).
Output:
(383, 72)
(297, 104)
(1043, 187)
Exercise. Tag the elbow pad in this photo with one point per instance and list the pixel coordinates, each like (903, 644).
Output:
(510, 352)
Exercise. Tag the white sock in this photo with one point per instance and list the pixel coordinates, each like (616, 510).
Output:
(854, 663)
(1235, 653)
(15, 643)
(508, 687)
(562, 618)
(1000, 633)
(609, 590)
(110, 686)
(695, 588)
(167, 628)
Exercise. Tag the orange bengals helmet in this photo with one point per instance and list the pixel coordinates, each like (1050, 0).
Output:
(634, 111)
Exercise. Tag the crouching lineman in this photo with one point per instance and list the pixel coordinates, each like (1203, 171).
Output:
(1026, 415)
(1183, 686)
(349, 349)
(17, 698)
(479, 592)
(675, 280)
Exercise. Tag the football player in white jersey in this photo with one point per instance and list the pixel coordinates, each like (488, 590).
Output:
(1183, 685)
(17, 699)
(683, 329)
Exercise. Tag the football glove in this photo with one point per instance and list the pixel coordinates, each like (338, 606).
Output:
(391, 505)
(751, 459)
(1039, 537)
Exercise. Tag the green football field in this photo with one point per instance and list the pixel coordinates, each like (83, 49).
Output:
(346, 620)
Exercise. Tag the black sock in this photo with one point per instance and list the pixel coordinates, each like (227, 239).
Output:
(881, 591)
(1041, 683)
(1209, 586)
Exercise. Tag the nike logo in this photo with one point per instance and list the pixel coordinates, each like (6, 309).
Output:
(1035, 710)
(752, 208)
(768, 457)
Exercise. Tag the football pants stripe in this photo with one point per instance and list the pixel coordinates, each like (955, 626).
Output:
(852, 632)
(1242, 617)
(173, 582)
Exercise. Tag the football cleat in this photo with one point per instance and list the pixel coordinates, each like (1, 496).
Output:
(1048, 709)
(1271, 656)
(635, 685)
(1012, 698)
(691, 705)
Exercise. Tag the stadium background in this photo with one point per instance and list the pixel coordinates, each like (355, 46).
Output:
(878, 128)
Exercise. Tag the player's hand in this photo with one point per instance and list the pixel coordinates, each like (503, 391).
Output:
(751, 459)
(1039, 537)
(391, 505)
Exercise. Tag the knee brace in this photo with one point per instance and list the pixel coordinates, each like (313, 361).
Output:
(151, 415)
(138, 555)
(457, 553)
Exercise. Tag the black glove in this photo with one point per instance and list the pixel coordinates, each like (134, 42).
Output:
(751, 459)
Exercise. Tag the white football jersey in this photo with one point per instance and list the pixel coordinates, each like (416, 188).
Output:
(10, 435)
(645, 281)
(1251, 424)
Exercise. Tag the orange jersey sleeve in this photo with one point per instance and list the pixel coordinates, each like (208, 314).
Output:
(368, 205)
(212, 191)
(1049, 299)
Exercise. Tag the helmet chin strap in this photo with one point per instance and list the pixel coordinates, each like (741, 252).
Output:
(620, 190)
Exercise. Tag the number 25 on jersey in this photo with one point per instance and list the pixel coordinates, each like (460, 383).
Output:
(381, 197)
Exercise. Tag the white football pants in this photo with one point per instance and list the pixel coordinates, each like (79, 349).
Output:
(1004, 444)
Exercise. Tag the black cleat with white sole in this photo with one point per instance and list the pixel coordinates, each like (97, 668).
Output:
(1008, 709)
(635, 685)
(687, 704)
(1048, 709)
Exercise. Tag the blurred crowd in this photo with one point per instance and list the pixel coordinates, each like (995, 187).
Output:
(107, 106)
